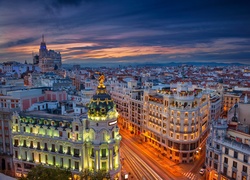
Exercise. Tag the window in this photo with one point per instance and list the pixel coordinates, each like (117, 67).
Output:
(244, 169)
(235, 154)
(54, 160)
(61, 162)
(77, 165)
(31, 130)
(68, 135)
(245, 158)
(16, 154)
(215, 166)
(24, 143)
(69, 163)
(60, 133)
(211, 154)
(103, 152)
(61, 149)
(104, 164)
(45, 147)
(24, 129)
(226, 151)
(244, 177)
(225, 170)
(234, 175)
(218, 146)
(216, 156)
(69, 150)
(39, 157)
(31, 144)
(225, 160)
(76, 128)
(76, 152)
(33, 156)
(234, 164)
(53, 148)
(16, 143)
(38, 145)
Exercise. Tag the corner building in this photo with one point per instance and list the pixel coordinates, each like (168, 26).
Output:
(76, 142)
(176, 121)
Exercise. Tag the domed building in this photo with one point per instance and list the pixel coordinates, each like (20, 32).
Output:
(77, 142)
(104, 138)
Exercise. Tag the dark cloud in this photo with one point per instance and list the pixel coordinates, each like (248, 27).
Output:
(112, 23)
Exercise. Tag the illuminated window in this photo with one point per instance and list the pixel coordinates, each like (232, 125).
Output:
(104, 165)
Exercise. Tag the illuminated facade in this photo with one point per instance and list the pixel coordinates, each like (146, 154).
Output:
(175, 121)
(229, 100)
(72, 141)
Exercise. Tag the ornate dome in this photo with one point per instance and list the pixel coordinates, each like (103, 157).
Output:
(101, 104)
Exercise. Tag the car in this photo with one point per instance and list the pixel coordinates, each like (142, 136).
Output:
(202, 171)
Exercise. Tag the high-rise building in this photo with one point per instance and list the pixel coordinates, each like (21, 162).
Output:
(69, 140)
(49, 60)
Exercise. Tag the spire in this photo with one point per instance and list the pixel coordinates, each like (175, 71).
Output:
(42, 38)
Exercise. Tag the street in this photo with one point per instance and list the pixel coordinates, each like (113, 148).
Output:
(143, 161)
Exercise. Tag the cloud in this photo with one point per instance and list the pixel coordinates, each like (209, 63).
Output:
(130, 30)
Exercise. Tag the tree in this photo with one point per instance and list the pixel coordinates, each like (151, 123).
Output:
(41, 172)
(94, 175)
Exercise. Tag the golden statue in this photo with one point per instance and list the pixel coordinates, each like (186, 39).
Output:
(101, 80)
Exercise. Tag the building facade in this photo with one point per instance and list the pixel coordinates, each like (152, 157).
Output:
(49, 60)
(227, 153)
(75, 141)
(175, 121)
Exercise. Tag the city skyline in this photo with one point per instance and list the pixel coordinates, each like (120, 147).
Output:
(127, 32)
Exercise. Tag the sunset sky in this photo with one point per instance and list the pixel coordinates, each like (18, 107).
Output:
(127, 31)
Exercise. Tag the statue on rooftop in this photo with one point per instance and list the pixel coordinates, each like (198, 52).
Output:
(101, 80)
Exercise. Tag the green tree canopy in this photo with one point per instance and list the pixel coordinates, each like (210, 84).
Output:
(40, 172)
